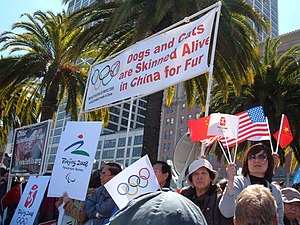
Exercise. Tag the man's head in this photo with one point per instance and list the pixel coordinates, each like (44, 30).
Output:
(109, 171)
(291, 200)
(255, 205)
(163, 173)
(160, 207)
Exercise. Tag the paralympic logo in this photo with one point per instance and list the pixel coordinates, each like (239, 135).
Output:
(103, 77)
(134, 182)
(78, 151)
(69, 179)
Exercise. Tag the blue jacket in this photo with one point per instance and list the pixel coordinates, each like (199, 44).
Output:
(100, 202)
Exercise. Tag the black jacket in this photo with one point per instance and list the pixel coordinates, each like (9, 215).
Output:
(208, 203)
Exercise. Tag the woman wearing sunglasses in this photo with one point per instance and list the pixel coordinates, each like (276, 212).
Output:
(257, 168)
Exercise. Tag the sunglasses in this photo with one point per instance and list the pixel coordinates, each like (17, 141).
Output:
(261, 157)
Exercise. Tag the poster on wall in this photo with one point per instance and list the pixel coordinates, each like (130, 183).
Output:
(29, 148)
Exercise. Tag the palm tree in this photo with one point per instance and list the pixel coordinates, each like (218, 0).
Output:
(43, 74)
(276, 87)
(235, 47)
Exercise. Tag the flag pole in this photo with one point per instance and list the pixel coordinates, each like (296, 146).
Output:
(272, 149)
(229, 153)
(223, 151)
(211, 65)
(280, 131)
(235, 151)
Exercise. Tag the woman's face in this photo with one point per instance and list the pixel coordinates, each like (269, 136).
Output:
(201, 179)
(258, 164)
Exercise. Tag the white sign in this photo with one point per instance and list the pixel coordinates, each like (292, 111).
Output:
(224, 125)
(74, 160)
(31, 200)
(153, 64)
(137, 179)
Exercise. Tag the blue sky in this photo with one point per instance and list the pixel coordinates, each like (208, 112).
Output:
(10, 11)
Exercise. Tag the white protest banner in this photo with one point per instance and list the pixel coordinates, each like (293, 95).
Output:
(137, 179)
(224, 125)
(153, 64)
(74, 160)
(31, 200)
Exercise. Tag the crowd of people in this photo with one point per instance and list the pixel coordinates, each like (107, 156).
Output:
(252, 198)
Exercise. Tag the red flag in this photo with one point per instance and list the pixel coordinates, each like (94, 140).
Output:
(198, 128)
(11, 197)
(286, 136)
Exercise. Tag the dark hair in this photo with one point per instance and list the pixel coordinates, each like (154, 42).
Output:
(296, 186)
(95, 180)
(114, 168)
(211, 174)
(254, 149)
(165, 168)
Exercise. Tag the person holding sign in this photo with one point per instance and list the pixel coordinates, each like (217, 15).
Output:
(204, 192)
(74, 208)
(257, 168)
(100, 205)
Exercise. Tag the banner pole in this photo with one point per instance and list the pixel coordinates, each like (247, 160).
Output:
(211, 66)
(280, 131)
(127, 132)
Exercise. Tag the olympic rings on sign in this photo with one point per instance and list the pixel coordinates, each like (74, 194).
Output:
(103, 77)
(22, 221)
(134, 183)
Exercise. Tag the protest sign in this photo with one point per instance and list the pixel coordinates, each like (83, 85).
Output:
(29, 148)
(31, 199)
(152, 64)
(137, 179)
(74, 160)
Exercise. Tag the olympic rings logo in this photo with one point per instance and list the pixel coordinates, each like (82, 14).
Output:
(103, 77)
(134, 182)
(22, 221)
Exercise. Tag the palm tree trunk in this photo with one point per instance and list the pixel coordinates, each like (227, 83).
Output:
(152, 125)
(50, 105)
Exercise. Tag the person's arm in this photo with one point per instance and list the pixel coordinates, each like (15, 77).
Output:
(89, 207)
(227, 201)
(72, 210)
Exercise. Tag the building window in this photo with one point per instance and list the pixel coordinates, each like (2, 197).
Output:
(166, 134)
(182, 119)
(138, 140)
(170, 134)
(137, 151)
(167, 121)
(183, 107)
(181, 132)
(110, 143)
(108, 154)
(172, 121)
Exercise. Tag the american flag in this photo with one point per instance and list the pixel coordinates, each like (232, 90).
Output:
(207, 142)
(252, 126)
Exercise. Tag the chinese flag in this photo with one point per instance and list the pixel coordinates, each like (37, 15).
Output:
(11, 197)
(198, 128)
(286, 136)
